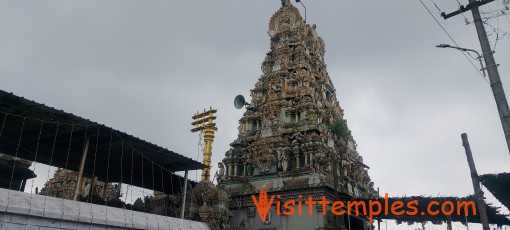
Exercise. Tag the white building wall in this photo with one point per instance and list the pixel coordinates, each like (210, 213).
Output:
(19, 210)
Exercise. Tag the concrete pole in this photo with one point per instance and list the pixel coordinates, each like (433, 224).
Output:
(23, 184)
(80, 172)
(476, 183)
(492, 69)
(184, 194)
(449, 223)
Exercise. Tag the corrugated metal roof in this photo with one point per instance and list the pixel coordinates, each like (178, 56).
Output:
(493, 213)
(499, 186)
(57, 138)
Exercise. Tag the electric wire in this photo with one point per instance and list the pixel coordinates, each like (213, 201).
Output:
(163, 190)
(51, 161)
(33, 172)
(453, 40)
(154, 190)
(144, 200)
(132, 212)
(462, 13)
(85, 141)
(437, 7)
(92, 185)
(12, 173)
(119, 188)
(3, 124)
(495, 30)
(107, 181)
(67, 161)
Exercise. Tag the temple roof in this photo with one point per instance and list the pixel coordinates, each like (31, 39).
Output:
(493, 213)
(57, 138)
(499, 186)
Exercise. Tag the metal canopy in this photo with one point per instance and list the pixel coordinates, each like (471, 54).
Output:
(57, 138)
(499, 186)
(493, 213)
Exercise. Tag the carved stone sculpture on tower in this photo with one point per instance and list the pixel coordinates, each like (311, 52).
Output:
(284, 161)
(221, 171)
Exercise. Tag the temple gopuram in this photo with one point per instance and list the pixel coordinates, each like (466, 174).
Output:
(293, 139)
(14, 172)
(63, 185)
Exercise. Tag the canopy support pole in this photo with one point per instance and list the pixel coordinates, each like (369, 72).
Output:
(80, 172)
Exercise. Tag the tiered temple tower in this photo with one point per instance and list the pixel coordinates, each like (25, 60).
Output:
(63, 185)
(293, 139)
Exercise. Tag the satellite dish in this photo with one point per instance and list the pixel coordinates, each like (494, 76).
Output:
(239, 102)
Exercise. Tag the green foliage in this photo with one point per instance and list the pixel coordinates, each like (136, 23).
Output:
(340, 129)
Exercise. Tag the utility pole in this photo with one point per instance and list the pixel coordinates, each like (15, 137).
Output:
(449, 222)
(183, 208)
(476, 183)
(490, 63)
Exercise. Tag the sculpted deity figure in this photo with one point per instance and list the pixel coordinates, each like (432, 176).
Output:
(284, 160)
(346, 166)
(265, 159)
(284, 22)
(297, 137)
(366, 179)
(220, 172)
(357, 173)
(359, 178)
(85, 192)
(221, 167)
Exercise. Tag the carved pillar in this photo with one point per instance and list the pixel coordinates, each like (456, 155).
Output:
(297, 161)
(245, 169)
(235, 169)
(230, 169)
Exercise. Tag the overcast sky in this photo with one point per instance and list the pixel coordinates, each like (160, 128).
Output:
(145, 67)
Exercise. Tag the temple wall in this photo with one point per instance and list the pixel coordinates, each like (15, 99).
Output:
(305, 221)
(19, 210)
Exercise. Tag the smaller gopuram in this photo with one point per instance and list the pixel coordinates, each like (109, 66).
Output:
(63, 185)
(14, 172)
(293, 139)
